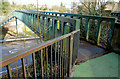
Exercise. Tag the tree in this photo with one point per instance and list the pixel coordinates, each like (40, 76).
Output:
(62, 8)
(13, 5)
(74, 8)
(55, 8)
(95, 8)
(24, 7)
(31, 7)
(5, 7)
(44, 7)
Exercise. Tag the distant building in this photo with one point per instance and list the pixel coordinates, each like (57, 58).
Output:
(119, 6)
(116, 13)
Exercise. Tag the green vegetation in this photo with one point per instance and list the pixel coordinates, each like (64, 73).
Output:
(97, 8)
(28, 31)
(5, 6)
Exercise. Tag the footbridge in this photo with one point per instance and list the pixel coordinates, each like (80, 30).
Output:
(60, 35)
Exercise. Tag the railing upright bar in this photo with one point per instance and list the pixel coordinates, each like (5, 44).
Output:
(110, 34)
(55, 59)
(51, 62)
(47, 60)
(55, 28)
(34, 66)
(87, 28)
(42, 62)
(23, 68)
(71, 52)
(61, 58)
(58, 59)
(9, 72)
(98, 32)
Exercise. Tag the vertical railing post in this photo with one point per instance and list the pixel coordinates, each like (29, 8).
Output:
(98, 31)
(76, 38)
(70, 54)
(25, 30)
(55, 28)
(110, 34)
(48, 28)
(59, 23)
(9, 72)
(33, 20)
(23, 68)
(87, 29)
(34, 66)
(16, 27)
(42, 62)
(51, 61)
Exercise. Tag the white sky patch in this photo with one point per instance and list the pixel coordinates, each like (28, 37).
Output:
(49, 3)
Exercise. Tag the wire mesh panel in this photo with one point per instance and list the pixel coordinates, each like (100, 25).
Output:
(92, 30)
(82, 27)
(105, 29)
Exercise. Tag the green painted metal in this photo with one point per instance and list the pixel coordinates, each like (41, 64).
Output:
(49, 23)
(88, 17)
(55, 28)
(87, 28)
(110, 35)
(98, 32)
(25, 17)
(16, 27)
(25, 30)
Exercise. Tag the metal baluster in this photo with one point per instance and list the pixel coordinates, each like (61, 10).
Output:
(51, 61)
(34, 66)
(55, 59)
(9, 72)
(42, 62)
(47, 60)
(87, 28)
(58, 60)
(71, 51)
(23, 67)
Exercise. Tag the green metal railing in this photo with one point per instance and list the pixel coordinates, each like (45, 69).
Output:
(95, 29)
(52, 25)
(58, 28)
(102, 27)
(6, 18)
(59, 48)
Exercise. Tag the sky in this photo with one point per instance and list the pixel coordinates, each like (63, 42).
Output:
(49, 3)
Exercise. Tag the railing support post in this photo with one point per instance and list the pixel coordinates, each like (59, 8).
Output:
(25, 30)
(70, 56)
(98, 32)
(87, 28)
(16, 27)
(110, 34)
(34, 66)
(23, 67)
(9, 72)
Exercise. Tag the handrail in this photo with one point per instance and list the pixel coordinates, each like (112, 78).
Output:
(21, 54)
(86, 27)
(47, 21)
(79, 15)
(7, 17)
(29, 17)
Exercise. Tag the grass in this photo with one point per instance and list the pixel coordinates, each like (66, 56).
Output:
(28, 31)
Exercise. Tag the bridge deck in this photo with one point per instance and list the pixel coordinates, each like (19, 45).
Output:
(87, 50)
(104, 66)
